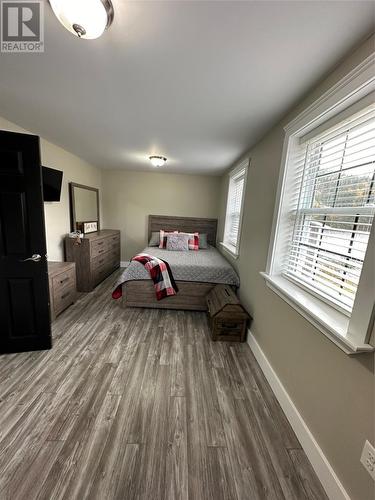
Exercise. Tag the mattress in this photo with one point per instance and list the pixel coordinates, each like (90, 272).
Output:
(207, 266)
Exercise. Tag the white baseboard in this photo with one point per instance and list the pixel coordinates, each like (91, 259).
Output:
(323, 469)
(124, 263)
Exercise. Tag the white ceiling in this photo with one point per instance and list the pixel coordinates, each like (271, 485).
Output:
(196, 81)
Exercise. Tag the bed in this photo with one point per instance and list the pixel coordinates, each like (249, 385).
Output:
(195, 272)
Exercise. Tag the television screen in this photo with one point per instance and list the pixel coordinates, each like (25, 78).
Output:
(52, 180)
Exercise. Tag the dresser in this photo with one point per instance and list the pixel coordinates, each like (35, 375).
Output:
(96, 257)
(62, 286)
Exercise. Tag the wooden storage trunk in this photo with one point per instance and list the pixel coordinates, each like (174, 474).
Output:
(227, 318)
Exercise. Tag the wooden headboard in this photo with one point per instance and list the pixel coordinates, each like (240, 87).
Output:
(183, 224)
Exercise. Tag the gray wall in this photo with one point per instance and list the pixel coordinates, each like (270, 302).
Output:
(130, 197)
(333, 392)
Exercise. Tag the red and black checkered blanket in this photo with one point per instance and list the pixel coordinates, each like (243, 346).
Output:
(160, 273)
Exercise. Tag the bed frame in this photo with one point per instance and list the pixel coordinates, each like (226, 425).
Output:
(191, 294)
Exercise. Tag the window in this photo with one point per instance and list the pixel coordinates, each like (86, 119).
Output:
(322, 247)
(332, 209)
(233, 218)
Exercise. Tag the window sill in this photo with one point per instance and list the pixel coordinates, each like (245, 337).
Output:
(332, 323)
(229, 249)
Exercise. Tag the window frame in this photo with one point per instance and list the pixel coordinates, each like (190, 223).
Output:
(303, 252)
(234, 250)
(352, 333)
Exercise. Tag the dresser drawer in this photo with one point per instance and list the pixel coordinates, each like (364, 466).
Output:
(114, 247)
(114, 258)
(114, 255)
(98, 247)
(99, 273)
(99, 261)
(64, 280)
(114, 264)
(114, 239)
(63, 299)
(62, 286)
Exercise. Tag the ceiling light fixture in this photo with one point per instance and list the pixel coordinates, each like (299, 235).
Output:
(84, 18)
(157, 161)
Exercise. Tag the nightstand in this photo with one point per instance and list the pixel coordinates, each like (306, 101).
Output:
(62, 286)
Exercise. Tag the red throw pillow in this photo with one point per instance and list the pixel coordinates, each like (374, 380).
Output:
(193, 241)
(163, 237)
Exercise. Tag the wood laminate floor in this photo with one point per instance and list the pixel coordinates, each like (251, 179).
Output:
(139, 404)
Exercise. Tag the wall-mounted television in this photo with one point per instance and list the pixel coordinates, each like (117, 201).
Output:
(52, 180)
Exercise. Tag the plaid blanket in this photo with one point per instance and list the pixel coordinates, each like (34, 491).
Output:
(160, 273)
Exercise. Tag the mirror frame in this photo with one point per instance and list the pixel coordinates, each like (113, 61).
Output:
(73, 220)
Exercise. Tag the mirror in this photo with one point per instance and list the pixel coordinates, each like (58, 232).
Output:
(84, 206)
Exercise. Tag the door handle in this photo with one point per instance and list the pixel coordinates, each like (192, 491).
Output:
(35, 258)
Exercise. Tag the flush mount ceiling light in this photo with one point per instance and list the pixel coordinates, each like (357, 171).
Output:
(157, 161)
(84, 18)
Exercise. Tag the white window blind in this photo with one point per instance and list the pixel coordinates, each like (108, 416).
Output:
(234, 207)
(332, 209)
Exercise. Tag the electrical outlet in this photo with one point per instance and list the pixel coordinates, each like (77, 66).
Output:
(368, 459)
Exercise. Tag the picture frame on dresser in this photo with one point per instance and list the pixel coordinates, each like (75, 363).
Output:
(88, 227)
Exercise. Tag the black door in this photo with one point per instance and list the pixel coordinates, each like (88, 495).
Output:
(24, 299)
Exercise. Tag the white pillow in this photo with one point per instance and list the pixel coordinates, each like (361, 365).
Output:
(178, 242)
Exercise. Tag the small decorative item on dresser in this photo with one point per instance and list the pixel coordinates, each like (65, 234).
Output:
(227, 317)
(62, 286)
(89, 227)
